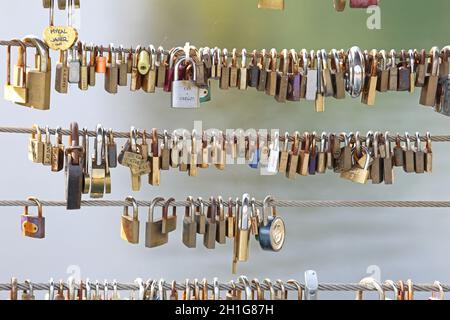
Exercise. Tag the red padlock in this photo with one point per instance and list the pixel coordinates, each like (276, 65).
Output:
(363, 3)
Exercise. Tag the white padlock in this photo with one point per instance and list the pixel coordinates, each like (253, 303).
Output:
(185, 93)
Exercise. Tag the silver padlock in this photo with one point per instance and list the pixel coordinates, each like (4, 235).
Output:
(185, 93)
(74, 66)
(311, 78)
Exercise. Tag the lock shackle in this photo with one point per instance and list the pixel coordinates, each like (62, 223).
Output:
(212, 209)
(244, 214)
(194, 141)
(273, 60)
(190, 208)
(186, 61)
(367, 163)
(255, 57)
(174, 55)
(133, 139)
(382, 57)
(248, 288)
(312, 59)
(373, 56)
(153, 56)
(166, 206)
(376, 143)
(306, 142)
(244, 58)
(262, 59)
(418, 142)
(282, 293)
(313, 142)
(269, 284)
(151, 209)
(85, 146)
(234, 58)
(293, 65)
(254, 212)
(112, 57)
(335, 62)
(429, 142)
(304, 60)
(41, 49)
(220, 208)
(133, 202)
(161, 57)
(22, 61)
(99, 145)
(230, 213)
(412, 60)
(268, 210)
(155, 143)
(47, 135)
(284, 63)
(36, 131)
(323, 141)
(201, 206)
(224, 60)
(286, 142)
(408, 141)
(38, 204)
(356, 71)
(324, 56)
(434, 61)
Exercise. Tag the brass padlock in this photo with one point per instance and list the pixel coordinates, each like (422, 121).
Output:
(193, 172)
(62, 74)
(16, 91)
(98, 166)
(242, 239)
(293, 158)
(377, 170)
(282, 78)
(429, 89)
(327, 83)
(165, 152)
(112, 72)
(33, 226)
(58, 152)
(189, 225)
(388, 161)
(169, 223)
(231, 220)
(155, 174)
(221, 222)
(370, 84)
(284, 155)
(92, 65)
(149, 79)
(162, 67)
(84, 68)
(409, 157)
(39, 78)
(209, 239)
(243, 71)
(224, 83)
(383, 72)
(154, 236)
(200, 217)
(271, 87)
(123, 67)
(234, 70)
(36, 146)
(129, 226)
(419, 156)
(357, 174)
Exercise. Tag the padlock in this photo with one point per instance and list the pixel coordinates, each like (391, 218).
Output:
(243, 72)
(84, 68)
(428, 155)
(92, 66)
(98, 166)
(371, 79)
(255, 219)
(101, 61)
(136, 79)
(61, 37)
(282, 78)
(377, 169)
(224, 83)
(293, 158)
(421, 70)
(16, 91)
(403, 73)
(38, 80)
(85, 162)
(419, 156)
(33, 226)
(393, 71)
(161, 64)
(243, 226)
(322, 155)
(155, 161)
(231, 220)
(174, 55)
(58, 152)
(169, 223)
(319, 103)
(123, 68)
(253, 71)
(149, 79)
(154, 236)
(429, 89)
(388, 161)
(62, 74)
(312, 78)
(337, 74)
(272, 231)
(327, 82)
(221, 222)
(200, 217)
(312, 166)
(357, 174)
(303, 163)
(185, 93)
(189, 225)
(36, 146)
(383, 72)
(209, 238)
(112, 150)
(294, 81)
(271, 86)
(412, 73)
(129, 226)
(356, 72)
(112, 72)
(409, 156)
(74, 66)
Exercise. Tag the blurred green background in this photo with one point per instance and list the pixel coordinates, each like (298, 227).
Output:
(339, 243)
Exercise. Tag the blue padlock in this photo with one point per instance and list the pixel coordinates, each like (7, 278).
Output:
(272, 231)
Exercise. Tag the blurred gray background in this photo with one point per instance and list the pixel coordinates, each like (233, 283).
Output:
(339, 243)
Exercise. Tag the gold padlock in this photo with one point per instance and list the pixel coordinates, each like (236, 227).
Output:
(36, 146)
(16, 91)
(98, 170)
(154, 236)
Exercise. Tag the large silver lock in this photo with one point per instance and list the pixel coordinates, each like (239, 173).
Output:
(185, 93)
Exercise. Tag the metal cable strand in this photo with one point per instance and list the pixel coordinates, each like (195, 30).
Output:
(126, 135)
(276, 203)
(336, 287)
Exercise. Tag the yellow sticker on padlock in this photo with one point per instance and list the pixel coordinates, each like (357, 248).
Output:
(28, 227)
